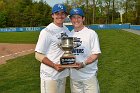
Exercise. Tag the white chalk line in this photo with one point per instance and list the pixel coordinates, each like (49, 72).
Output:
(16, 53)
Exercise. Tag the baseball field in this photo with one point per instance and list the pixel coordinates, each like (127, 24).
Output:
(119, 63)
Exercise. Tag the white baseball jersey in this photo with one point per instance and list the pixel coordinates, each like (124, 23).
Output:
(48, 44)
(90, 45)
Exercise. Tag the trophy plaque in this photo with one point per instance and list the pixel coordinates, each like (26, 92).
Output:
(67, 44)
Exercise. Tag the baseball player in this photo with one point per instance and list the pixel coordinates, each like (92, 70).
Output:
(53, 76)
(83, 78)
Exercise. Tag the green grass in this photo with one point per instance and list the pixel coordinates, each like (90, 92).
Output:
(20, 75)
(119, 66)
(18, 37)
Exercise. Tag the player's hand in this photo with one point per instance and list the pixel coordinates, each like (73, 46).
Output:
(79, 66)
(58, 67)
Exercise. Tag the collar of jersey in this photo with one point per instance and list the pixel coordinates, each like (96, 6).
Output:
(80, 30)
(57, 27)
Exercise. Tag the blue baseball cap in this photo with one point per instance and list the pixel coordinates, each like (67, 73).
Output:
(59, 7)
(76, 11)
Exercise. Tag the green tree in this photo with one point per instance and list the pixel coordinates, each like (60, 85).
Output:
(137, 14)
(3, 19)
(24, 13)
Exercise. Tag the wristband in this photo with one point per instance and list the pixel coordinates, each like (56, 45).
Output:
(84, 64)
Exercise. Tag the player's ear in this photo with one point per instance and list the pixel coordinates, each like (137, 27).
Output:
(83, 19)
(52, 15)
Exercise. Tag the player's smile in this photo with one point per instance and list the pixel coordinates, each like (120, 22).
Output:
(59, 17)
(77, 21)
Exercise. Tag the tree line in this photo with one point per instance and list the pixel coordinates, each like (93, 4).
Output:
(109, 11)
(23, 13)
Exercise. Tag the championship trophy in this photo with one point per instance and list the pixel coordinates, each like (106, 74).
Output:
(67, 44)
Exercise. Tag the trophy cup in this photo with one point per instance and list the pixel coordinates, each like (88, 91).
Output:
(67, 44)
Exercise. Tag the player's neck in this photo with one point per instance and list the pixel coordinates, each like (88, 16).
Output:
(59, 24)
(77, 29)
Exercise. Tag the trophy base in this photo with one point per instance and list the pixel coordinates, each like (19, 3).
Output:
(67, 60)
(69, 66)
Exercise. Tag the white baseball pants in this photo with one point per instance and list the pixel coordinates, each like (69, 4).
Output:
(85, 86)
(53, 86)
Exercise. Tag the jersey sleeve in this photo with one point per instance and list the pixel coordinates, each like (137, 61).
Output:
(95, 46)
(43, 43)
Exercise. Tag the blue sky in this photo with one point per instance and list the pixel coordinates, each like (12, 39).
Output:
(53, 2)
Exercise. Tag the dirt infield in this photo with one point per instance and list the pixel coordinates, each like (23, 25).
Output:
(10, 51)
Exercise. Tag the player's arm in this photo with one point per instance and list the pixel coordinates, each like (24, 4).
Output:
(88, 61)
(43, 59)
(91, 58)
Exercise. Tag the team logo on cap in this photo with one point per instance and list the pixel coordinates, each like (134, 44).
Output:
(60, 6)
(75, 10)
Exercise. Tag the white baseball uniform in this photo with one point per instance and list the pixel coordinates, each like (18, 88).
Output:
(48, 45)
(90, 45)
